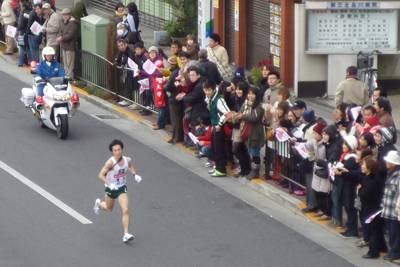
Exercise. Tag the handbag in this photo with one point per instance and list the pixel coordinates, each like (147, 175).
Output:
(270, 134)
(321, 172)
(245, 130)
(21, 39)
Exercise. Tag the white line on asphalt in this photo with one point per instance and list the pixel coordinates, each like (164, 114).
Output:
(44, 193)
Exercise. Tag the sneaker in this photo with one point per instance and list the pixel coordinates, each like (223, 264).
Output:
(347, 234)
(309, 210)
(217, 173)
(299, 192)
(133, 107)
(209, 164)
(96, 207)
(127, 237)
(211, 171)
(124, 103)
(362, 243)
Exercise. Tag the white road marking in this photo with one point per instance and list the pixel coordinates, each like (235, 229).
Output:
(44, 194)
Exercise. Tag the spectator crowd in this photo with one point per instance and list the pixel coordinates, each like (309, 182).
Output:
(30, 25)
(348, 169)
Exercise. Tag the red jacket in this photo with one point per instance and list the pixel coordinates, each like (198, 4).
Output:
(206, 138)
(160, 97)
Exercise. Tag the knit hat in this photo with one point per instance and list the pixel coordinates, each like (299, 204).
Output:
(299, 104)
(153, 49)
(387, 135)
(309, 116)
(239, 73)
(66, 11)
(46, 6)
(351, 142)
(319, 127)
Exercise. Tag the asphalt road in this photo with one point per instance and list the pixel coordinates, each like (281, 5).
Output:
(180, 218)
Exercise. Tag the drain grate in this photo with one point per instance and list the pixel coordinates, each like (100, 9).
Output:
(105, 116)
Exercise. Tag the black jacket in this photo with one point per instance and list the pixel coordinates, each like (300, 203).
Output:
(122, 57)
(32, 18)
(209, 71)
(371, 193)
(196, 100)
(170, 88)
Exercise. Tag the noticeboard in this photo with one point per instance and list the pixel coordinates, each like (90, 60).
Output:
(333, 31)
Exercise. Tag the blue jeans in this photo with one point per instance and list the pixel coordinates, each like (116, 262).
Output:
(394, 237)
(23, 55)
(337, 199)
(206, 151)
(34, 43)
(254, 152)
(39, 90)
(162, 117)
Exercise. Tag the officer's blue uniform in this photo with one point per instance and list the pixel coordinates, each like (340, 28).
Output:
(45, 72)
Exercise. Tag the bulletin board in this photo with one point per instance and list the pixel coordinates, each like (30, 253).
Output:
(333, 31)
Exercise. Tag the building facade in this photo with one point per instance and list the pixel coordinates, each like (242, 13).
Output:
(253, 31)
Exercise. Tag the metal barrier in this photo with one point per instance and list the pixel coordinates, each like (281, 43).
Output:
(116, 80)
(282, 162)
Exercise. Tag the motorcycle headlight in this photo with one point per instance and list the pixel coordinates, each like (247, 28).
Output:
(57, 97)
(66, 97)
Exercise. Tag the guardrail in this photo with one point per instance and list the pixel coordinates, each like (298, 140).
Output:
(116, 80)
(283, 163)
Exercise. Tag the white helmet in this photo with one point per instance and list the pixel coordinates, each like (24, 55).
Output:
(48, 51)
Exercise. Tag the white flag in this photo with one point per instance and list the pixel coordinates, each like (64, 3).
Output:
(149, 67)
(144, 85)
(36, 28)
(133, 65)
(281, 135)
(11, 31)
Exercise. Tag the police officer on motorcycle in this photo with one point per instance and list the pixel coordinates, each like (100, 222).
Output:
(48, 68)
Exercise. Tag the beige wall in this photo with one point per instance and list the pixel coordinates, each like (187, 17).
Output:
(307, 67)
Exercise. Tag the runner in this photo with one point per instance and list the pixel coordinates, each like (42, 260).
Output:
(113, 175)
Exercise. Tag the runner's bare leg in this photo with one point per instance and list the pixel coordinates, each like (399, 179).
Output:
(124, 202)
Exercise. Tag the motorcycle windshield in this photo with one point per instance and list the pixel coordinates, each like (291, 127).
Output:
(59, 83)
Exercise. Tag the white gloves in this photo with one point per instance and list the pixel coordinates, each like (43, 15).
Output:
(138, 178)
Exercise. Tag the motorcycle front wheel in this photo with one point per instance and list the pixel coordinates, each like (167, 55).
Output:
(62, 128)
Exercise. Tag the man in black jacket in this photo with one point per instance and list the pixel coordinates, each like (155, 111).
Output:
(208, 69)
(127, 81)
(196, 97)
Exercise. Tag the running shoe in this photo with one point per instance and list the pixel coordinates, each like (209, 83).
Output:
(127, 237)
(124, 103)
(96, 207)
(217, 173)
(211, 171)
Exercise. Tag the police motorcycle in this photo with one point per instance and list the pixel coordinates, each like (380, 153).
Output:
(57, 104)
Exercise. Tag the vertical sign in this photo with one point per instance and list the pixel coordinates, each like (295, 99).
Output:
(204, 22)
(215, 3)
(236, 15)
